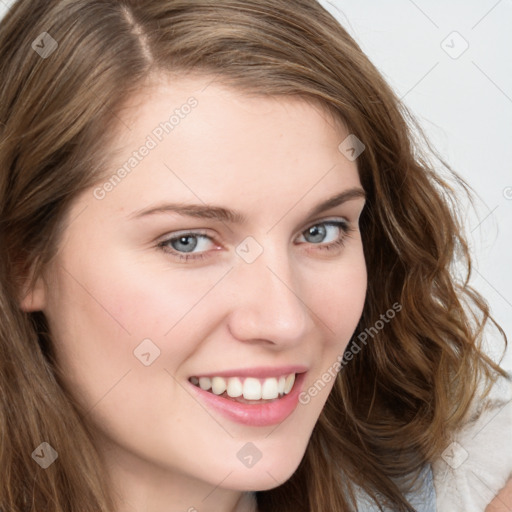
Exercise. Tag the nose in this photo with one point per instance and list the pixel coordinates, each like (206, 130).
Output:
(268, 302)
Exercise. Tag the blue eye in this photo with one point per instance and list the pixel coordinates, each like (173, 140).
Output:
(182, 247)
(186, 242)
(320, 230)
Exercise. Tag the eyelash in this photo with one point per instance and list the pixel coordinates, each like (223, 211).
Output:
(344, 226)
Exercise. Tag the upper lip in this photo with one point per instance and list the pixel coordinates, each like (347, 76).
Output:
(258, 372)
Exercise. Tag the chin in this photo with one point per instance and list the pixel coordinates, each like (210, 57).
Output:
(262, 477)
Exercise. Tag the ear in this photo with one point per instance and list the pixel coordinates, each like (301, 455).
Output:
(34, 299)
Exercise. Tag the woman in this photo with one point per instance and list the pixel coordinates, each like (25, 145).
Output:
(226, 277)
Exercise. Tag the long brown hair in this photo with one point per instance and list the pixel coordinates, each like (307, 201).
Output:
(394, 406)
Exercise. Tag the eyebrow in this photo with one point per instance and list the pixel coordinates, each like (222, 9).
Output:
(206, 211)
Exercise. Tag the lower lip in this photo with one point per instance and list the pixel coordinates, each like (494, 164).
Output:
(255, 415)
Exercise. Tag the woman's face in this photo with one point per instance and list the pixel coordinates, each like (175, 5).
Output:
(136, 326)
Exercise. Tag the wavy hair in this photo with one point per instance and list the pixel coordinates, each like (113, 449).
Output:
(394, 407)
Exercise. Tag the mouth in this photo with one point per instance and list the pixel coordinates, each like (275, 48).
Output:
(247, 390)
(256, 397)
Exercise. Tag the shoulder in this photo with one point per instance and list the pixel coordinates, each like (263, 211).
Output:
(478, 461)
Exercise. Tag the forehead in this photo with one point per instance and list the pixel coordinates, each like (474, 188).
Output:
(195, 140)
(171, 90)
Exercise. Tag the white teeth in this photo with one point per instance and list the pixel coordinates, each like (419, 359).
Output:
(269, 389)
(235, 387)
(218, 385)
(290, 380)
(280, 386)
(205, 383)
(250, 387)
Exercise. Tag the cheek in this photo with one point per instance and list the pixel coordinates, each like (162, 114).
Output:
(100, 314)
(339, 298)
(158, 299)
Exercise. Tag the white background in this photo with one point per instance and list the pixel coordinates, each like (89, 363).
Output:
(464, 105)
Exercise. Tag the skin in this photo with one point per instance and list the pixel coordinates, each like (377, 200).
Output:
(503, 501)
(110, 286)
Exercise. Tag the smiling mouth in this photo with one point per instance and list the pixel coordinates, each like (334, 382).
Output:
(248, 390)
